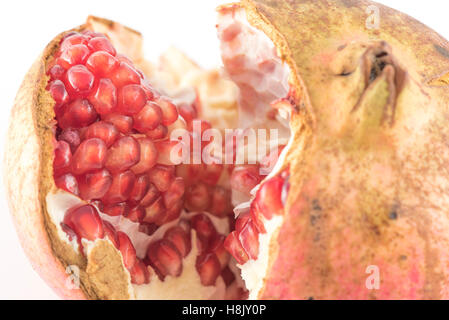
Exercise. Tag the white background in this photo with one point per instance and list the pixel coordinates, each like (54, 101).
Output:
(27, 26)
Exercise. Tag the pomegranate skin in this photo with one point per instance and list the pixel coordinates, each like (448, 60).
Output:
(369, 182)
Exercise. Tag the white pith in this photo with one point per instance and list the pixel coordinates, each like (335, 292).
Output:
(273, 86)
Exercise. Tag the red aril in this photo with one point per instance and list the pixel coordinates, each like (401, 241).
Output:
(74, 55)
(73, 39)
(148, 118)
(101, 44)
(95, 184)
(79, 80)
(116, 209)
(131, 99)
(90, 156)
(208, 268)
(136, 214)
(180, 239)
(221, 205)
(123, 154)
(72, 137)
(121, 187)
(160, 132)
(111, 234)
(174, 193)
(155, 213)
(217, 246)
(139, 273)
(63, 157)
(169, 111)
(140, 189)
(234, 247)
(148, 156)
(85, 221)
(162, 177)
(58, 93)
(68, 183)
(56, 72)
(197, 197)
(249, 238)
(127, 250)
(123, 123)
(165, 258)
(125, 74)
(102, 63)
(104, 131)
(79, 113)
(204, 228)
(104, 97)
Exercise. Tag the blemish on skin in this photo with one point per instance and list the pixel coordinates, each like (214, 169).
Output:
(441, 50)
(393, 215)
(316, 205)
(403, 258)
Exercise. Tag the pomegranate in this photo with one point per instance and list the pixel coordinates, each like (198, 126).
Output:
(348, 175)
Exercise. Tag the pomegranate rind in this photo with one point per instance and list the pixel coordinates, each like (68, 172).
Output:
(367, 189)
(29, 179)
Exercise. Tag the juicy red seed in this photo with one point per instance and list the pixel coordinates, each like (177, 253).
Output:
(115, 210)
(234, 247)
(122, 185)
(136, 214)
(102, 63)
(90, 156)
(58, 92)
(268, 199)
(174, 193)
(104, 97)
(212, 173)
(169, 152)
(79, 80)
(123, 154)
(63, 156)
(187, 112)
(173, 213)
(148, 228)
(71, 234)
(73, 39)
(165, 258)
(68, 183)
(169, 111)
(72, 137)
(208, 268)
(180, 239)
(101, 44)
(160, 132)
(140, 274)
(85, 221)
(127, 250)
(56, 72)
(198, 197)
(148, 156)
(221, 205)
(140, 189)
(111, 234)
(131, 99)
(249, 238)
(151, 196)
(162, 177)
(204, 228)
(123, 123)
(149, 90)
(228, 276)
(80, 113)
(155, 213)
(241, 221)
(190, 172)
(76, 54)
(257, 218)
(94, 185)
(104, 131)
(125, 74)
(148, 118)
(245, 179)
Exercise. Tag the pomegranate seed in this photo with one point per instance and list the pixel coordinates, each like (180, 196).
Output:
(162, 177)
(149, 118)
(85, 221)
(58, 92)
(204, 228)
(111, 234)
(73, 39)
(121, 187)
(268, 198)
(241, 221)
(169, 152)
(149, 91)
(245, 178)
(235, 248)
(104, 97)
(174, 193)
(124, 124)
(173, 213)
(73, 55)
(90, 156)
(101, 44)
(152, 194)
(63, 157)
(72, 137)
(136, 214)
(68, 183)
(140, 274)
(165, 258)
(123, 58)
(148, 156)
(127, 250)
(160, 132)
(197, 197)
(104, 131)
(94, 185)
(180, 239)
(187, 112)
(115, 210)
(140, 189)
(257, 219)
(155, 213)
(125, 74)
(221, 205)
(131, 99)
(212, 173)
(79, 80)
(56, 72)
(102, 63)
(80, 113)
(228, 276)
(70, 233)
(190, 172)
(169, 111)
(148, 228)
(249, 238)
(123, 154)
(208, 268)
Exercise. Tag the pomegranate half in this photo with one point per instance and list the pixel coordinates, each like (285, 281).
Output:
(348, 201)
